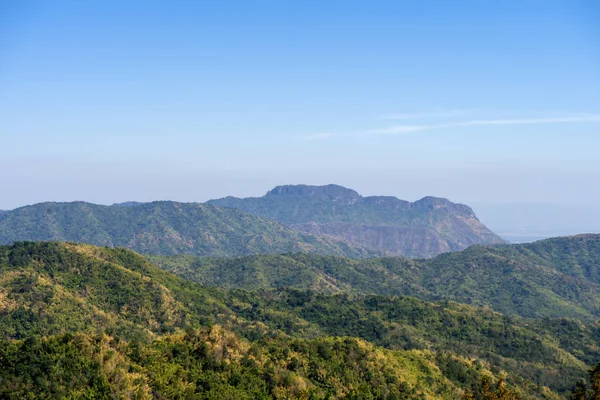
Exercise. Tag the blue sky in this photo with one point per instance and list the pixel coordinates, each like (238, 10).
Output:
(484, 102)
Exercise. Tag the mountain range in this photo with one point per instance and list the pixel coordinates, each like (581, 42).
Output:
(425, 228)
(306, 293)
(79, 321)
(164, 227)
(326, 220)
(557, 277)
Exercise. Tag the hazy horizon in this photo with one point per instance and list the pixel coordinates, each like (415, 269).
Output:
(516, 222)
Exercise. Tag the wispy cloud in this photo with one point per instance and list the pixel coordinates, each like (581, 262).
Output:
(317, 136)
(526, 121)
(404, 129)
(399, 129)
(432, 114)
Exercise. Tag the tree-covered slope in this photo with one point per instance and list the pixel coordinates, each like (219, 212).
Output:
(551, 278)
(164, 228)
(78, 320)
(324, 274)
(421, 229)
(214, 363)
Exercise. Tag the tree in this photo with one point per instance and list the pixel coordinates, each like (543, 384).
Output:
(581, 391)
(595, 382)
(487, 391)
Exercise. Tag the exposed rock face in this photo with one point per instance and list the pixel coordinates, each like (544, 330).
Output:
(409, 241)
(424, 228)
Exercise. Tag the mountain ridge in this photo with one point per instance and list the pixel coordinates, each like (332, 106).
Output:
(552, 278)
(328, 219)
(63, 300)
(423, 228)
(163, 227)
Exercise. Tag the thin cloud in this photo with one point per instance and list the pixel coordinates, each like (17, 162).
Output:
(554, 120)
(404, 129)
(317, 136)
(433, 114)
(400, 129)
(408, 129)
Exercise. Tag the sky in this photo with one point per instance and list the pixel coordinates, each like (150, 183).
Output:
(486, 102)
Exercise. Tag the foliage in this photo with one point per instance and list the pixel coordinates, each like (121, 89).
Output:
(164, 227)
(78, 318)
(551, 278)
(485, 391)
(589, 390)
(214, 363)
(526, 350)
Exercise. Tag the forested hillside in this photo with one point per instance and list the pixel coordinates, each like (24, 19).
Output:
(328, 220)
(78, 320)
(552, 278)
(164, 227)
(389, 225)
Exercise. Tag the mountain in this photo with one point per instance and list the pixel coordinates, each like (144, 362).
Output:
(326, 220)
(323, 274)
(164, 227)
(425, 228)
(85, 322)
(79, 321)
(128, 204)
(552, 278)
(556, 277)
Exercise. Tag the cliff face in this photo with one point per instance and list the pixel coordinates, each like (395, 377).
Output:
(424, 228)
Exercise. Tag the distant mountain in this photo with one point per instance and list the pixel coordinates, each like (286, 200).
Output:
(164, 227)
(424, 228)
(127, 204)
(79, 321)
(552, 278)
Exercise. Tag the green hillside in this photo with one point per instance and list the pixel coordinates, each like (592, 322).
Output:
(79, 321)
(164, 227)
(552, 278)
(424, 228)
(325, 274)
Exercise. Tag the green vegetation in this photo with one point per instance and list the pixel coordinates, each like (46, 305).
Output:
(79, 321)
(551, 278)
(299, 271)
(164, 227)
(487, 391)
(328, 220)
(588, 389)
(539, 351)
(213, 363)
(391, 226)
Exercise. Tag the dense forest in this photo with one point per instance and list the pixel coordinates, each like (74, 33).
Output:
(328, 220)
(79, 321)
(165, 227)
(552, 278)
